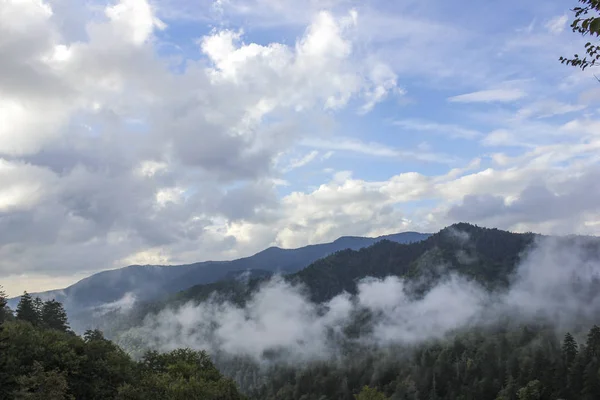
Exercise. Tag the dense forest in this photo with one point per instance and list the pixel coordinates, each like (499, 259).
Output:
(527, 362)
(41, 358)
(505, 358)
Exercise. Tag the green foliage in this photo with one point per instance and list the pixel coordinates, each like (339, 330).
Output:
(54, 316)
(503, 362)
(586, 22)
(368, 393)
(180, 374)
(42, 385)
(6, 378)
(532, 391)
(44, 360)
(28, 309)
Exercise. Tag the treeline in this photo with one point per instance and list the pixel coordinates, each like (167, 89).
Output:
(504, 363)
(40, 358)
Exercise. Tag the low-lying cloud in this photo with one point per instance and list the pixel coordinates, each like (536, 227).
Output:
(556, 280)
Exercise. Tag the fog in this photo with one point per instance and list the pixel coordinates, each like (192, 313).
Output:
(556, 279)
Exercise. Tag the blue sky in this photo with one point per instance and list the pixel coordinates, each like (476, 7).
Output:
(177, 131)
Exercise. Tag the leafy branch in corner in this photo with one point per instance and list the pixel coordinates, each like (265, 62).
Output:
(586, 22)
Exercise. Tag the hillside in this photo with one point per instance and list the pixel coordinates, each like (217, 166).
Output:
(468, 313)
(146, 282)
(488, 256)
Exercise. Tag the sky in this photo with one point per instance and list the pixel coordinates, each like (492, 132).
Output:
(175, 131)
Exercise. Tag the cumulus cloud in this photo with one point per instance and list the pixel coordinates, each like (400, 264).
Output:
(110, 149)
(123, 142)
(557, 279)
(561, 205)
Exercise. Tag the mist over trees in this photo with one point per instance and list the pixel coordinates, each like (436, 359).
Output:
(40, 358)
(470, 313)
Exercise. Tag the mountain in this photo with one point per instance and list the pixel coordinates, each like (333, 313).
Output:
(461, 305)
(117, 288)
(488, 256)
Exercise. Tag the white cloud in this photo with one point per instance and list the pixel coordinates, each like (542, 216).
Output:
(121, 140)
(450, 130)
(110, 153)
(557, 24)
(302, 161)
(556, 279)
(490, 96)
(548, 108)
(374, 149)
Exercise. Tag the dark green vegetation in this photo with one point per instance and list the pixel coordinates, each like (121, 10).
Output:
(520, 363)
(508, 359)
(587, 23)
(40, 358)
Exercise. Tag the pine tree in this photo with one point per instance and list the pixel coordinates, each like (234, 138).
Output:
(368, 393)
(38, 306)
(43, 385)
(569, 350)
(532, 391)
(26, 310)
(6, 381)
(3, 310)
(54, 316)
(591, 380)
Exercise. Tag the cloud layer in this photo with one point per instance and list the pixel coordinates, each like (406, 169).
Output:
(557, 280)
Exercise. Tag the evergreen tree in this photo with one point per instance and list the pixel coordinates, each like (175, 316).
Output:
(591, 379)
(569, 350)
(368, 393)
(26, 310)
(532, 391)
(42, 385)
(6, 383)
(54, 316)
(38, 306)
(3, 307)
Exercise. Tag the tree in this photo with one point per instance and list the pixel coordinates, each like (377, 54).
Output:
(368, 393)
(26, 310)
(4, 310)
(6, 383)
(42, 385)
(569, 350)
(586, 22)
(532, 391)
(54, 316)
(38, 306)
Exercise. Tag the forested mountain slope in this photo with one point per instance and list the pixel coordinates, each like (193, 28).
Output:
(488, 256)
(40, 359)
(469, 313)
(149, 282)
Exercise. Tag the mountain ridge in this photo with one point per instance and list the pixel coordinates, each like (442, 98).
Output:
(150, 282)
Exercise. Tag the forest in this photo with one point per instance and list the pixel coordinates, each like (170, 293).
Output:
(508, 356)
(43, 359)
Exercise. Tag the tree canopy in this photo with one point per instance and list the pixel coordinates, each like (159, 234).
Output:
(42, 359)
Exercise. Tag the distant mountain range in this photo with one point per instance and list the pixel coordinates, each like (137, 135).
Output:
(488, 256)
(150, 282)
